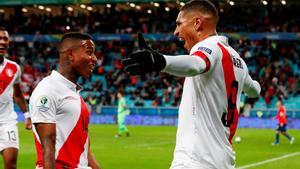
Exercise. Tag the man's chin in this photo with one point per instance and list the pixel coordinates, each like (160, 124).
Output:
(2, 53)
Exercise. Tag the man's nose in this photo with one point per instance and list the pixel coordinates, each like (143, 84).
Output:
(176, 33)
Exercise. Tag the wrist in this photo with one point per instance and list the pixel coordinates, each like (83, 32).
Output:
(26, 115)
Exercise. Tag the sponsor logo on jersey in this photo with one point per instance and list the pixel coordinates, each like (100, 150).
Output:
(43, 104)
(205, 49)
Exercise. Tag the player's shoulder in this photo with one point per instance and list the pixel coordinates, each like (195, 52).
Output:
(8, 61)
(209, 46)
(44, 87)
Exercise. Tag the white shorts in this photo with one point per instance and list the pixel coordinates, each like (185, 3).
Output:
(9, 135)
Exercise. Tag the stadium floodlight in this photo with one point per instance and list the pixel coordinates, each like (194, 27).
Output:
(48, 9)
(231, 3)
(156, 4)
(82, 6)
(264, 2)
(167, 9)
(132, 5)
(149, 11)
(108, 5)
(89, 8)
(41, 7)
(69, 8)
(283, 2)
(24, 10)
(138, 7)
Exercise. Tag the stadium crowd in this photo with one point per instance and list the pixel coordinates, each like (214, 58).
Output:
(111, 20)
(274, 63)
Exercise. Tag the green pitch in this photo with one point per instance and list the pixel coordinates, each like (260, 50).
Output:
(152, 148)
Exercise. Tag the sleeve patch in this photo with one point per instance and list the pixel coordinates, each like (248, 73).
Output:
(43, 104)
(205, 49)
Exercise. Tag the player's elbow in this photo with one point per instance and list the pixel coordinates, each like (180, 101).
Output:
(192, 71)
(254, 91)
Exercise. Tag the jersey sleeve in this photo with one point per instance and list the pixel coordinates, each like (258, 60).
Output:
(42, 107)
(251, 87)
(202, 57)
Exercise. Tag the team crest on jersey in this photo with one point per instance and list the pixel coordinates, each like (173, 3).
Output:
(43, 104)
(205, 49)
(9, 72)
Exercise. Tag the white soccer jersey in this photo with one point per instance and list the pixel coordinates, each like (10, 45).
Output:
(208, 113)
(56, 100)
(10, 74)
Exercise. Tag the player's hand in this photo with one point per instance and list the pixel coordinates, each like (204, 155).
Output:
(144, 60)
(28, 124)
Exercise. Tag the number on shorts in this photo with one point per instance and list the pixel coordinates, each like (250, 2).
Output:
(12, 136)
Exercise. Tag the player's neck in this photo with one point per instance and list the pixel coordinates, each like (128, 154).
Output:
(68, 74)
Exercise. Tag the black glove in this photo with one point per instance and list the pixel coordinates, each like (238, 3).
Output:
(144, 60)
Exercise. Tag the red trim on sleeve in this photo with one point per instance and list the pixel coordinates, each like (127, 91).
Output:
(205, 58)
(229, 77)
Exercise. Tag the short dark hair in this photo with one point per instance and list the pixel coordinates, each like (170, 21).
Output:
(204, 6)
(75, 36)
(2, 28)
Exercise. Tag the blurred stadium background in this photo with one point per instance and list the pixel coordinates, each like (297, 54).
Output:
(266, 33)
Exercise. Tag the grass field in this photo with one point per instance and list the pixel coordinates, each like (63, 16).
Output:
(152, 148)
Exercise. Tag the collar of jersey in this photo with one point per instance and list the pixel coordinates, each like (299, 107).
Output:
(222, 39)
(57, 76)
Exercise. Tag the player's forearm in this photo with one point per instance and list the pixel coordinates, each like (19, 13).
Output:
(22, 104)
(92, 161)
(184, 65)
(48, 145)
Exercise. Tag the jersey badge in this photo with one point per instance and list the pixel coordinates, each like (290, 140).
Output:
(9, 72)
(205, 49)
(43, 104)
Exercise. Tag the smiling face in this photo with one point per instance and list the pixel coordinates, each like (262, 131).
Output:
(83, 59)
(186, 29)
(4, 42)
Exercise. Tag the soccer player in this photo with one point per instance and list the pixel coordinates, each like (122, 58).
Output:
(282, 121)
(59, 115)
(215, 77)
(10, 78)
(123, 111)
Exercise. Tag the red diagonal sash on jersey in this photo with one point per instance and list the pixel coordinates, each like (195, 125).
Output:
(204, 57)
(7, 75)
(229, 77)
(69, 154)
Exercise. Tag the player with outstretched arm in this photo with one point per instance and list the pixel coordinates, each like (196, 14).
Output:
(215, 77)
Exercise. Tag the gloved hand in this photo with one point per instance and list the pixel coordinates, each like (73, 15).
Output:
(144, 60)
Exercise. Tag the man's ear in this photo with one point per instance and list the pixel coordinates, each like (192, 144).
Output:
(198, 24)
(70, 55)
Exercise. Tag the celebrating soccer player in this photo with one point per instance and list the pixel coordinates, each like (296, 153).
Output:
(10, 78)
(215, 77)
(59, 114)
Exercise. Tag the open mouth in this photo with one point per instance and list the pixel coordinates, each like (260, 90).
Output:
(2, 50)
(92, 67)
